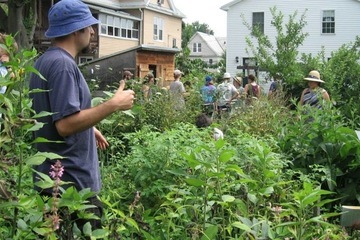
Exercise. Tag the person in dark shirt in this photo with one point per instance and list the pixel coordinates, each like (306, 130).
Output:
(314, 94)
(71, 127)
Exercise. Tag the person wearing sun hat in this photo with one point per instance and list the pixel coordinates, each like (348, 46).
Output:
(71, 126)
(226, 92)
(314, 93)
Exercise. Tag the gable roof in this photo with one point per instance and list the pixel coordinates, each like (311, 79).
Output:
(144, 4)
(211, 41)
(227, 6)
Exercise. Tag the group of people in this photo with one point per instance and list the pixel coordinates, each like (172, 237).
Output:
(221, 97)
(71, 128)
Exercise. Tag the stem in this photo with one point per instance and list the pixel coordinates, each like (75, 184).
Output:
(205, 201)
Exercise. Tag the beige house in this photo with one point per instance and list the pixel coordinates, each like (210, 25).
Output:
(142, 35)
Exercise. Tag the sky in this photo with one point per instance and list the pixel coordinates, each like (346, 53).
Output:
(205, 11)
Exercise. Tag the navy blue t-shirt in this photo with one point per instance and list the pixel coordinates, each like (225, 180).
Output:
(66, 93)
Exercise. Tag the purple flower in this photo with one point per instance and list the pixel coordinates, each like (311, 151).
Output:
(57, 170)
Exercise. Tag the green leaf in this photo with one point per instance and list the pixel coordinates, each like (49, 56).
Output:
(210, 233)
(41, 231)
(235, 168)
(226, 155)
(227, 198)
(100, 233)
(195, 182)
(35, 127)
(191, 160)
(22, 224)
(241, 226)
(219, 144)
(132, 222)
(40, 157)
(87, 229)
(252, 198)
(42, 114)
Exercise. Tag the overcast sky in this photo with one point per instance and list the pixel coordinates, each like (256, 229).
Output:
(205, 11)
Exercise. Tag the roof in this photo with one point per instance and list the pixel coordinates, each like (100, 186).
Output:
(113, 12)
(227, 6)
(122, 5)
(137, 48)
(211, 41)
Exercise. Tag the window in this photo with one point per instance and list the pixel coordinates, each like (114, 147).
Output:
(158, 28)
(258, 21)
(119, 27)
(328, 21)
(174, 43)
(160, 2)
(196, 47)
(85, 59)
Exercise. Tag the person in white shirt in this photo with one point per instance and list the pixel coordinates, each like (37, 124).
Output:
(178, 91)
(226, 93)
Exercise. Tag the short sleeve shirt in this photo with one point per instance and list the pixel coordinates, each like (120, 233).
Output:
(226, 91)
(65, 93)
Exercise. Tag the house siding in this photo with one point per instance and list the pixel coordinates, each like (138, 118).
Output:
(347, 18)
(164, 63)
(110, 45)
(206, 51)
(171, 30)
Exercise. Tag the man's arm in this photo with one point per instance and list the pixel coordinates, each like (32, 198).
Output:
(84, 119)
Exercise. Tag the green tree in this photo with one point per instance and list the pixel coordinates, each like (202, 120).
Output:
(342, 77)
(281, 55)
(188, 30)
(182, 59)
(18, 17)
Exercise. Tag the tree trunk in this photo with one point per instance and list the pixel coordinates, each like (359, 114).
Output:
(3, 20)
(15, 23)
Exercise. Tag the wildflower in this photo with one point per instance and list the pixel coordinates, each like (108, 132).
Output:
(277, 210)
(57, 171)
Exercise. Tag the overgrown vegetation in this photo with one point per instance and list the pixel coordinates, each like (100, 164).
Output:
(275, 175)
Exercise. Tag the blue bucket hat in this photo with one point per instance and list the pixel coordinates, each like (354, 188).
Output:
(208, 78)
(68, 16)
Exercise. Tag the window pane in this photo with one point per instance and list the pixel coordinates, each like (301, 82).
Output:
(123, 33)
(110, 31)
(117, 22)
(102, 18)
(155, 30)
(129, 24)
(194, 47)
(328, 21)
(258, 21)
(103, 29)
(123, 23)
(117, 32)
(110, 20)
(160, 34)
(135, 33)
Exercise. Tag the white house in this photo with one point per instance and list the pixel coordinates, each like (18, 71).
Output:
(330, 24)
(206, 47)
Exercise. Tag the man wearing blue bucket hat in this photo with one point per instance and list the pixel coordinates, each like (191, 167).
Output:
(67, 96)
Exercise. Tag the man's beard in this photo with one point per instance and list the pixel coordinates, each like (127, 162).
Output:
(86, 49)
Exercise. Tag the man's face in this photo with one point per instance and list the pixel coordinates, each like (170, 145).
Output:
(84, 39)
